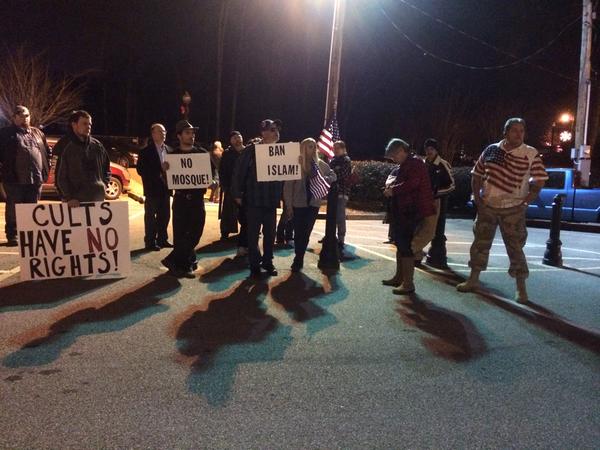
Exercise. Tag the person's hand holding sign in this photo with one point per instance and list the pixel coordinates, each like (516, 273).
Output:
(238, 201)
(165, 165)
(73, 203)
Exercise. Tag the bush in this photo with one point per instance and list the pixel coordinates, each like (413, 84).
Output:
(367, 193)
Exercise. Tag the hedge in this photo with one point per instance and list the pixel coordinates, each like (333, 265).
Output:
(367, 194)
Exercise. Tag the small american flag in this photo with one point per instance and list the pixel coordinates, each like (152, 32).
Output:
(328, 136)
(317, 185)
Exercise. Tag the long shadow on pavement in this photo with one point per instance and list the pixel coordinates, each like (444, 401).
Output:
(532, 312)
(223, 274)
(117, 315)
(234, 330)
(218, 248)
(45, 294)
(450, 334)
(305, 300)
(573, 269)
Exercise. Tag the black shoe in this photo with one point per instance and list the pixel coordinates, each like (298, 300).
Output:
(296, 266)
(165, 244)
(270, 269)
(12, 242)
(152, 248)
(169, 264)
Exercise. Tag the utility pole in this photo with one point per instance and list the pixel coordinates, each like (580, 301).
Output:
(335, 59)
(329, 258)
(582, 152)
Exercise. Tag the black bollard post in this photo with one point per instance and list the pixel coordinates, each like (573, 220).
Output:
(553, 253)
(436, 256)
(329, 258)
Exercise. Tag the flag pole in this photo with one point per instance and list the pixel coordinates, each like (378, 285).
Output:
(335, 60)
(329, 258)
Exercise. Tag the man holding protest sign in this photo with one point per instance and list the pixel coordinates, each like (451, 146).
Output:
(83, 168)
(259, 198)
(189, 173)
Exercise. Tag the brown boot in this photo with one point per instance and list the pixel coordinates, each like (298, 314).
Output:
(521, 295)
(472, 283)
(408, 273)
(396, 280)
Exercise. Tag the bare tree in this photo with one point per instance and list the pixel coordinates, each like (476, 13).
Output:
(26, 80)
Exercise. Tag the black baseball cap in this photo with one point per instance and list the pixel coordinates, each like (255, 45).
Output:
(184, 125)
(234, 133)
(267, 124)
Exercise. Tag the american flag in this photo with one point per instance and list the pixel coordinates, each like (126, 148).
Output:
(505, 170)
(317, 185)
(328, 136)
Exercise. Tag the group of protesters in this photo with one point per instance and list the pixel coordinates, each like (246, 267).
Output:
(506, 178)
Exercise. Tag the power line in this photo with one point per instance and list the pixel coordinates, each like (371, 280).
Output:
(519, 60)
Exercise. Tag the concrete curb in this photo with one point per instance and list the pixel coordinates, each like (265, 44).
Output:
(579, 334)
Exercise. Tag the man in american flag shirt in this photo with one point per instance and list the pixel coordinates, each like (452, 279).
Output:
(506, 178)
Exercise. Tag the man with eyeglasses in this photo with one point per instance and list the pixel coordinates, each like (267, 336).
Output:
(24, 161)
(260, 200)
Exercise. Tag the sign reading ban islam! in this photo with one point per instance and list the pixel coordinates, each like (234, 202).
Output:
(278, 162)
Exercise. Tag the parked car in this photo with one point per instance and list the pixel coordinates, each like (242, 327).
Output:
(122, 150)
(118, 184)
(579, 204)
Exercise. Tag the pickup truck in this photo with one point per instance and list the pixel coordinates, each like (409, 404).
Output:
(579, 204)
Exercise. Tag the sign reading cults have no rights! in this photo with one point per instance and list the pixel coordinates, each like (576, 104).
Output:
(278, 162)
(56, 241)
(189, 171)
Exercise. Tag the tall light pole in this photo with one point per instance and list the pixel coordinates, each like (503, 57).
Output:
(335, 59)
(582, 151)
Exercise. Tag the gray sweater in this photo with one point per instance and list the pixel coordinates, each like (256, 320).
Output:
(294, 192)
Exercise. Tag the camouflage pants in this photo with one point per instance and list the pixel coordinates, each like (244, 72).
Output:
(514, 235)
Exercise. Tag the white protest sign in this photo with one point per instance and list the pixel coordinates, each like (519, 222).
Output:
(188, 171)
(56, 241)
(278, 162)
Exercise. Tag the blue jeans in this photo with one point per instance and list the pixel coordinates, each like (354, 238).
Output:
(18, 193)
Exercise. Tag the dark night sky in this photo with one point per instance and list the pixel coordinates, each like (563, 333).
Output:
(141, 55)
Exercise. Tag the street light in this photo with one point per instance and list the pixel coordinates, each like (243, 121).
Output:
(566, 118)
(186, 99)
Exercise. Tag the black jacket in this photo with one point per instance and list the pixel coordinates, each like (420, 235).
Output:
(12, 139)
(245, 186)
(227, 166)
(153, 177)
(82, 170)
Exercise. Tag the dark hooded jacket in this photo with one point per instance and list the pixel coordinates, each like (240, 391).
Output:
(83, 168)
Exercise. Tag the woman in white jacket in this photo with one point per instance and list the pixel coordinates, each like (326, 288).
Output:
(304, 197)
